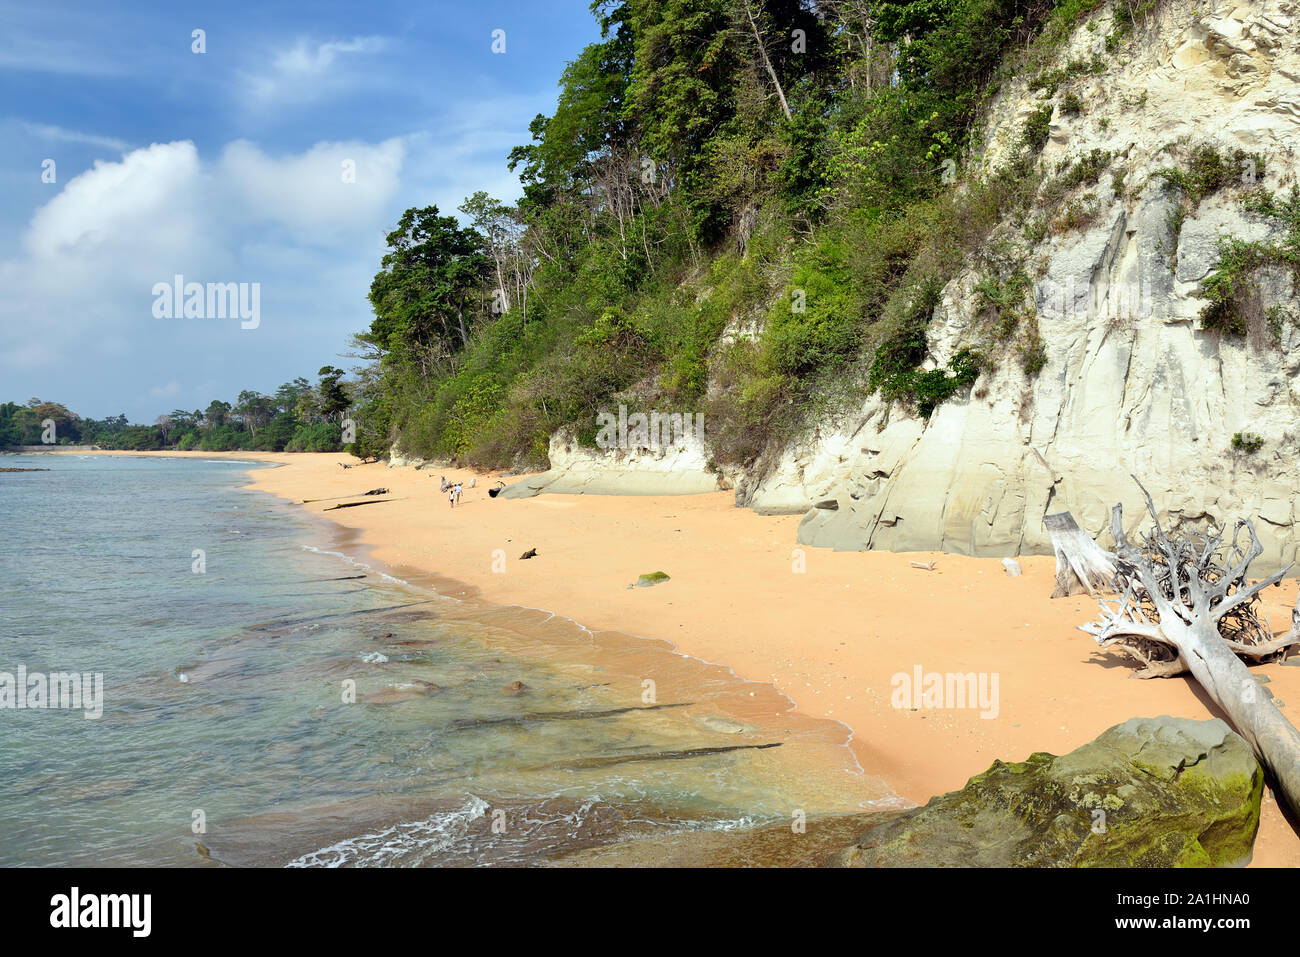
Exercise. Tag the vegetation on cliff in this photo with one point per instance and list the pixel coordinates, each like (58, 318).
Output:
(716, 167)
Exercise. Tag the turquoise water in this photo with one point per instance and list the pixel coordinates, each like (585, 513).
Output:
(231, 732)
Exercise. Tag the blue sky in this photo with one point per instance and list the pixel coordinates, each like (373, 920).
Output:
(225, 166)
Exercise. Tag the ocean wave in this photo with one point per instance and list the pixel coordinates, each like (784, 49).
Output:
(402, 844)
(356, 564)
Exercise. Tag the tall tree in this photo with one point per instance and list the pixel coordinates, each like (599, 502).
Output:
(428, 279)
(333, 397)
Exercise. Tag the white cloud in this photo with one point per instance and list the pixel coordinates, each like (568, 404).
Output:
(308, 71)
(91, 255)
(331, 186)
(25, 52)
(59, 134)
(145, 199)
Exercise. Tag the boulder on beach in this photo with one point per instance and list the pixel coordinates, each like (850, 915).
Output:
(1151, 792)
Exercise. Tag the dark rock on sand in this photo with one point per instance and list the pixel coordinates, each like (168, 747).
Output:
(515, 687)
(1152, 792)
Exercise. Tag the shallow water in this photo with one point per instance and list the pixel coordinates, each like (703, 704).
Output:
(272, 708)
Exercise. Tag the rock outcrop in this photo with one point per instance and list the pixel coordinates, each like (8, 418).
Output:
(1131, 383)
(679, 468)
(1152, 792)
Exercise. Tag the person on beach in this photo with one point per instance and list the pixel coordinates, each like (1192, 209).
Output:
(459, 490)
(451, 496)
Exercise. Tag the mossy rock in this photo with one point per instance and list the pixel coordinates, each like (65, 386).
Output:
(1151, 792)
(651, 578)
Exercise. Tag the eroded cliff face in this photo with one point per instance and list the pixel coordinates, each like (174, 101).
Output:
(1131, 383)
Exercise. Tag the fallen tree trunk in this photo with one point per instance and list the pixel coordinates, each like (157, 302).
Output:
(1081, 564)
(1185, 606)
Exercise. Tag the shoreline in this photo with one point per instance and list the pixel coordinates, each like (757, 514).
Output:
(828, 638)
(829, 738)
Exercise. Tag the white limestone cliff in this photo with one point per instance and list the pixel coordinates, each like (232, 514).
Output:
(1131, 384)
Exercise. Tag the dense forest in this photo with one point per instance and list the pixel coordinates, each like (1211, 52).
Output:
(299, 417)
(804, 171)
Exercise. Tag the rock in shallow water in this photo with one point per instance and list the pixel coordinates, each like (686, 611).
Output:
(1151, 792)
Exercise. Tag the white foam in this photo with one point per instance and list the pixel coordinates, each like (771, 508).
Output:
(362, 565)
(392, 845)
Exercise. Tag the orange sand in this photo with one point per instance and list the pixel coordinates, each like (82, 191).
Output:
(830, 637)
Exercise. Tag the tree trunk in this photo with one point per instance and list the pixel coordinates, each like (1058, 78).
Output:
(1081, 564)
(1186, 605)
(762, 51)
(1249, 707)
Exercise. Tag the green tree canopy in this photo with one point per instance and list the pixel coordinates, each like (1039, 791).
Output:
(427, 281)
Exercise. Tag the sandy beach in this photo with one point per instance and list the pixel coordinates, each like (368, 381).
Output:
(827, 629)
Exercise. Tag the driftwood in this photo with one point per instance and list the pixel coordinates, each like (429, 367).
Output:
(494, 492)
(1184, 605)
(1081, 564)
(373, 501)
(335, 498)
(924, 566)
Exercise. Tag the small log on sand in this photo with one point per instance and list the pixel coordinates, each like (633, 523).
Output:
(373, 501)
(1081, 564)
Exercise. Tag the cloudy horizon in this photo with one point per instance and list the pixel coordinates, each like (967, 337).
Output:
(280, 155)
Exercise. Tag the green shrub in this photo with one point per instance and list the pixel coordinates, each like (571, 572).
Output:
(1001, 303)
(1247, 442)
(1208, 171)
(814, 325)
(317, 437)
(1033, 353)
(1229, 286)
(1128, 13)
(1037, 129)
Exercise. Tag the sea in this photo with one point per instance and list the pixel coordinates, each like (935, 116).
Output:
(271, 696)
